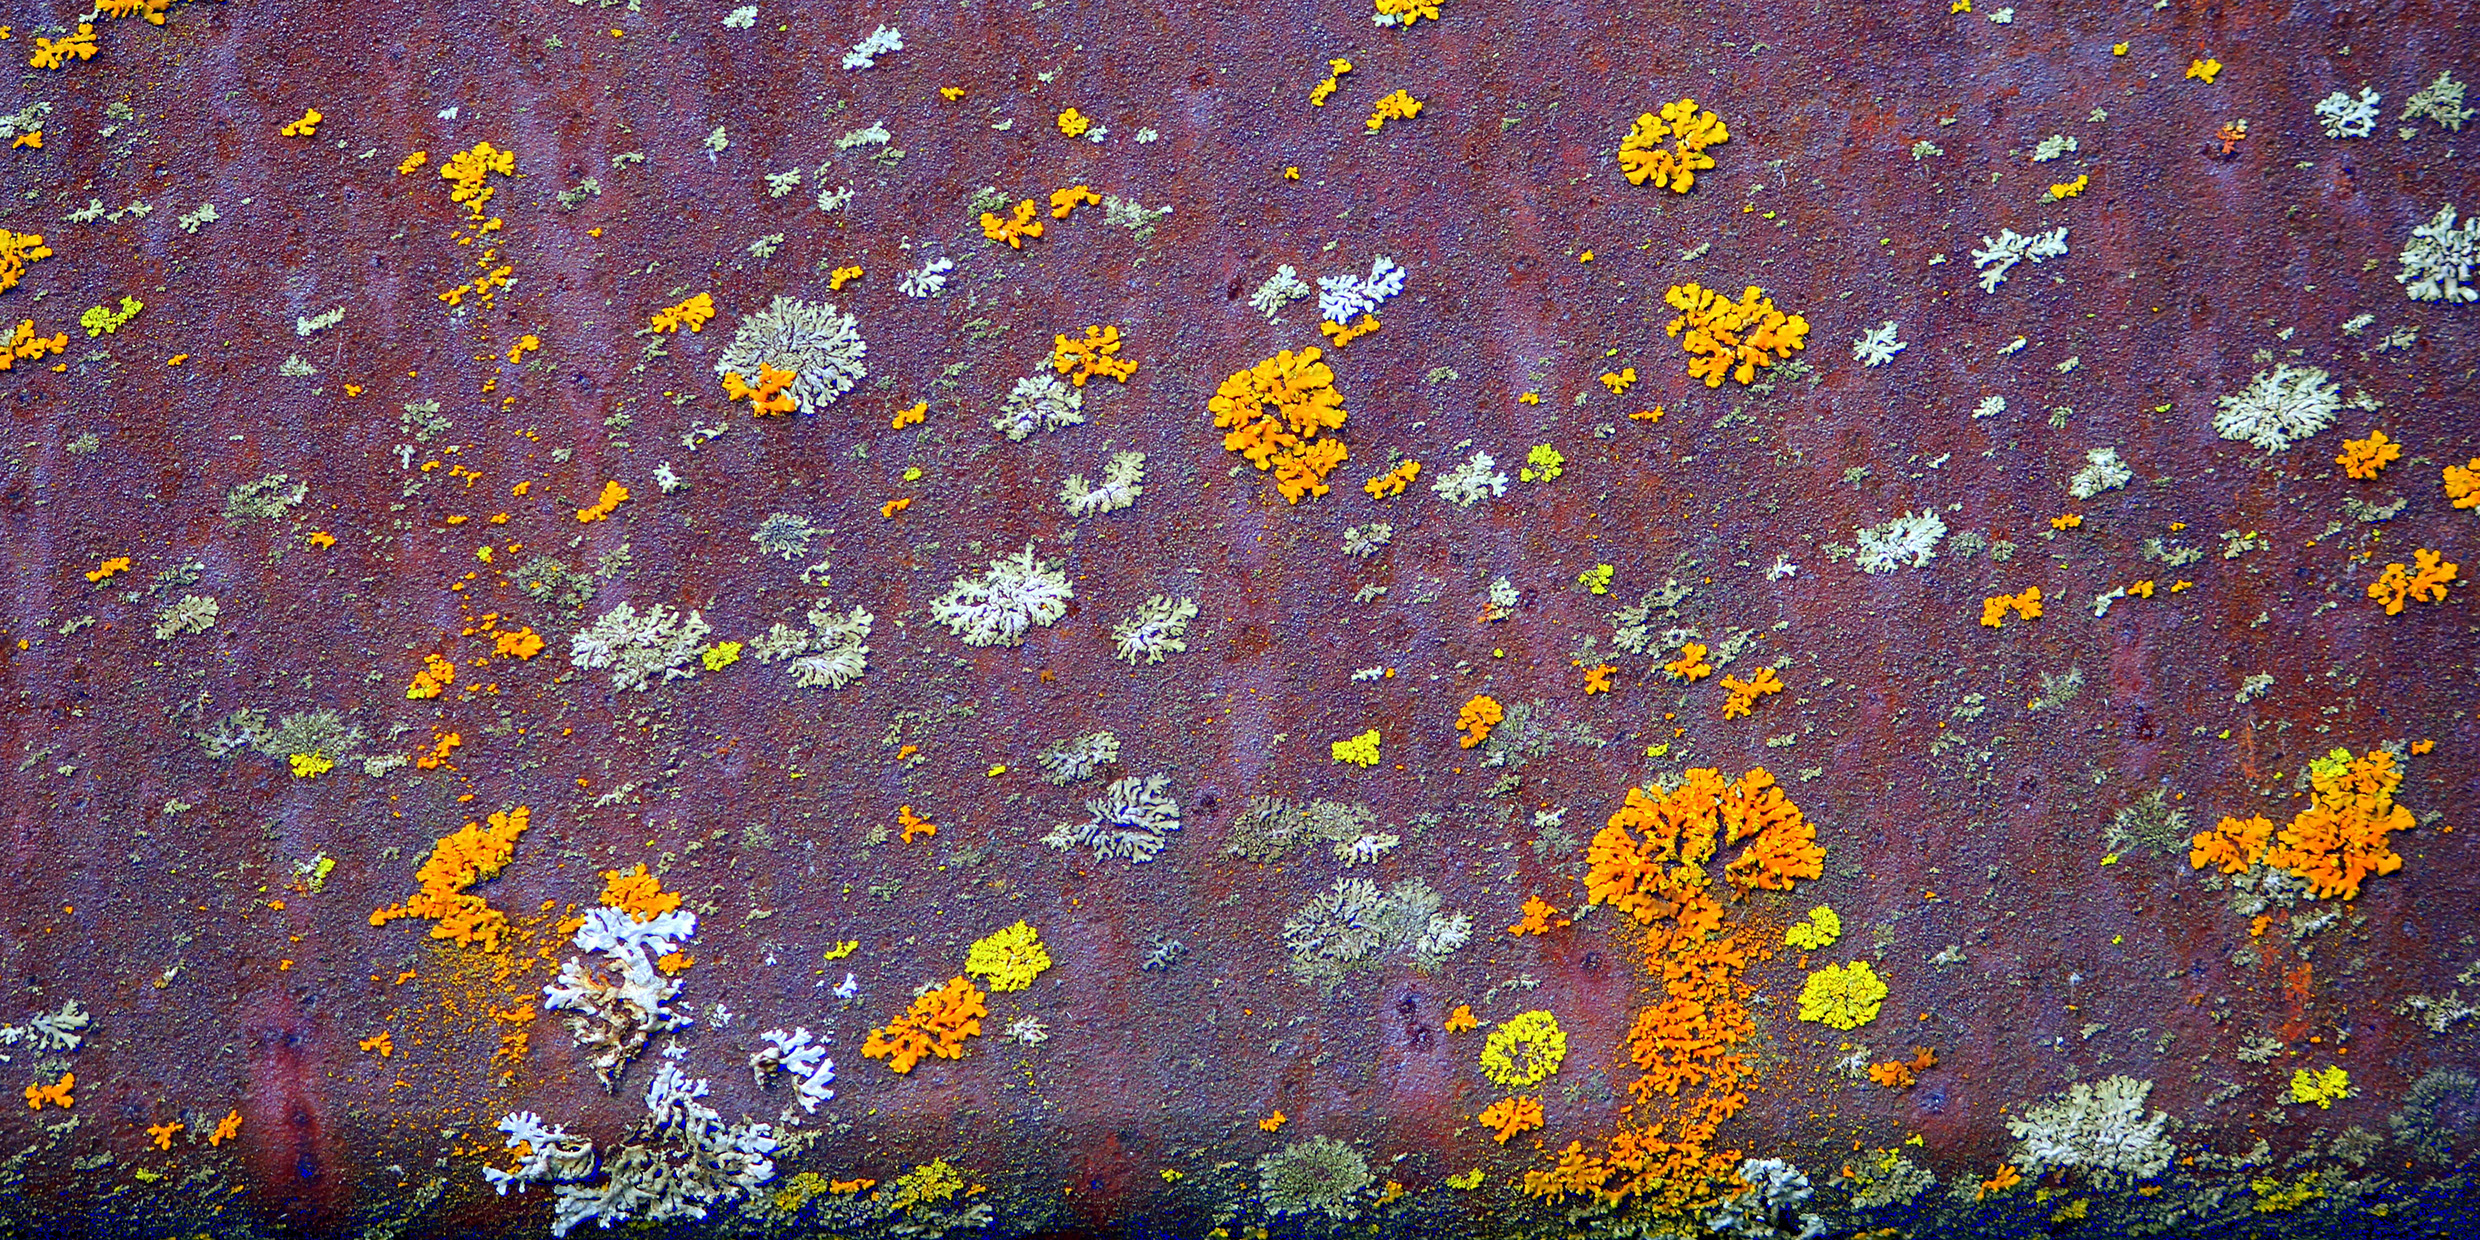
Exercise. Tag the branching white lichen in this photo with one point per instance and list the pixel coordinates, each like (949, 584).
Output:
(1135, 216)
(1280, 289)
(618, 1006)
(1078, 757)
(1990, 407)
(784, 534)
(1272, 826)
(821, 347)
(1123, 480)
(2440, 101)
(2100, 1130)
(927, 282)
(2279, 407)
(2011, 247)
(304, 325)
(2052, 147)
(873, 134)
(1909, 540)
(637, 645)
(832, 199)
(1341, 298)
(1133, 818)
(195, 613)
(2102, 471)
(2345, 117)
(2437, 261)
(49, 1033)
(690, 1160)
(829, 654)
(805, 1061)
(1155, 630)
(1016, 593)
(1471, 482)
(1769, 1208)
(1877, 346)
(1039, 403)
(865, 54)
(1355, 925)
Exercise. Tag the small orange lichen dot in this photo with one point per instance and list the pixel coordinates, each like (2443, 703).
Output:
(691, 314)
(56, 1093)
(1539, 918)
(772, 395)
(842, 276)
(104, 570)
(2067, 522)
(1015, 228)
(434, 678)
(1342, 335)
(637, 893)
(381, 1042)
(1096, 354)
(1400, 106)
(889, 509)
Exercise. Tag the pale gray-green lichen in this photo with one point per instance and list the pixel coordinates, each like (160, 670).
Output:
(639, 646)
(1354, 925)
(1155, 630)
(822, 348)
(1078, 757)
(1320, 1175)
(1123, 480)
(1133, 818)
(1015, 594)
(2098, 1129)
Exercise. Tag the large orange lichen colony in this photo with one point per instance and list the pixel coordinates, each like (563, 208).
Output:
(2339, 840)
(1734, 338)
(1277, 413)
(937, 1024)
(457, 862)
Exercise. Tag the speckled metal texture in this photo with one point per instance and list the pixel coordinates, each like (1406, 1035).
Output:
(1964, 779)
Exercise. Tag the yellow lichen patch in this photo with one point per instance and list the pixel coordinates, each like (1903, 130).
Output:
(473, 854)
(1392, 482)
(518, 644)
(605, 504)
(841, 276)
(1539, 918)
(527, 343)
(1475, 720)
(1016, 227)
(111, 565)
(691, 314)
(382, 1042)
(1732, 338)
(1361, 750)
(637, 893)
(1335, 69)
(720, 655)
(772, 395)
(406, 166)
(2394, 587)
(57, 1093)
(1643, 157)
(2234, 844)
(1524, 1049)
(913, 824)
(306, 127)
(1074, 123)
(1277, 415)
(1406, 12)
(1342, 335)
(152, 10)
(1509, 1116)
(24, 345)
(2203, 68)
(2324, 1087)
(1008, 959)
(468, 172)
(1690, 665)
(1462, 1020)
(2067, 521)
(2069, 189)
(16, 250)
(434, 678)
(310, 765)
(1844, 996)
(56, 53)
(1744, 693)
(937, 1024)
(1096, 354)
(2026, 604)
(1399, 106)
(1067, 200)
(1817, 933)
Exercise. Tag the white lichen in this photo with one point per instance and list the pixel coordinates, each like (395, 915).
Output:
(2279, 407)
(830, 654)
(1078, 757)
(2102, 471)
(1280, 289)
(822, 348)
(2437, 261)
(2011, 247)
(1016, 593)
(873, 134)
(621, 1003)
(741, 18)
(1362, 541)
(1877, 346)
(1133, 818)
(1471, 482)
(2052, 147)
(637, 645)
(805, 1061)
(2345, 117)
(1909, 541)
(1990, 407)
(833, 199)
(195, 613)
(1769, 1208)
(1155, 630)
(1340, 298)
(1123, 480)
(1355, 925)
(304, 325)
(927, 282)
(2100, 1130)
(865, 54)
(1039, 403)
(49, 1033)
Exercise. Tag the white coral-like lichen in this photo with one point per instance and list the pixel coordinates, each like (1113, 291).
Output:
(49, 1033)
(929, 281)
(637, 645)
(692, 1160)
(821, 347)
(2010, 248)
(1017, 593)
(1280, 289)
(1354, 925)
(830, 654)
(195, 613)
(2102, 471)
(2100, 1130)
(805, 1061)
(617, 1008)
(2345, 117)
(1341, 298)
(1471, 482)
(1123, 480)
(1877, 346)
(2279, 407)
(1769, 1209)
(549, 1155)
(1909, 541)
(2440, 101)
(2437, 261)
(1156, 630)
(1362, 541)
(1133, 818)
(1038, 403)
(865, 54)
(1078, 757)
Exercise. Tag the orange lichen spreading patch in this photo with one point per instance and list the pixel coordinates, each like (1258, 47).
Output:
(889, 509)
(1643, 158)
(1014, 229)
(2395, 587)
(1539, 918)
(841, 276)
(1479, 715)
(1900, 1074)
(2365, 458)
(1277, 413)
(2067, 522)
(162, 1134)
(1597, 679)
(518, 644)
(56, 53)
(909, 417)
(468, 172)
(605, 504)
(2462, 483)
(24, 345)
(436, 675)
(1066, 200)
(2234, 844)
(1342, 335)
(2006, 1178)
(56, 1093)
(16, 250)
(1509, 1116)
(1690, 665)
(1400, 106)
(1685, 1042)
(381, 1042)
(225, 1129)
(1392, 482)
(938, 1023)
(441, 747)
(2335, 843)
(115, 564)
(32, 139)
(1273, 1122)
(914, 824)
(691, 314)
(1744, 693)
(1734, 338)
(1096, 354)
(846, 1188)
(2026, 604)
(1462, 1020)
(637, 893)
(772, 395)
(306, 127)
(475, 853)
(1335, 69)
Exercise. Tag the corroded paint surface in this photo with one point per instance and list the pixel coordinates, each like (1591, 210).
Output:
(1952, 813)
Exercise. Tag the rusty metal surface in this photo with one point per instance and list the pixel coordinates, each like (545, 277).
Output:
(1952, 814)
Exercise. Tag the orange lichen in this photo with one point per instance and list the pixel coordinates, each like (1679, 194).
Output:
(1074, 123)
(382, 1042)
(1900, 1074)
(2366, 458)
(436, 675)
(2234, 844)
(2066, 522)
(909, 417)
(1400, 106)
(1462, 1020)
(1479, 715)
(914, 824)
(937, 1024)
(1690, 665)
(115, 564)
(2026, 604)
(56, 53)
(24, 345)
(889, 509)
(691, 314)
(1539, 918)
(225, 1129)
(1744, 693)
(1643, 158)
(1276, 414)
(517, 644)
(2340, 838)
(841, 276)
(441, 747)
(306, 127)
(772, 395)
(2462, 483)
(1014, 229)
(162, 1134)
(605, 504)
(2395, 587)
(1096, 354)
(474, 853)
(1273, 1122)
(16, 250)
(56, 1093)
(468, 170)
(1342, 335)
(1509, 1116)
(1066, 200)
(637, 893)
(2006, 1178)
(1733, 338)
(1597, 679)
(1392, 482)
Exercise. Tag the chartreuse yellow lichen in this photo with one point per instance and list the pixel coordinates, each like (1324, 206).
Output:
(1523, 1050)
(1818, 932)
(1844, 996)
(103, 320)
(1008, 959)
(1542, 464)
(1361, 750)
(2324, 1087)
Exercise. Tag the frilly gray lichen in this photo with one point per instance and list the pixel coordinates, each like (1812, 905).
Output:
(637, 645)
(2440, 101)
(2010, 248)
(829, 654)
(805, 1061)
(1877, 346)
(1340, 298)
(1123, 480)
(2102, 471)
(1354, 925)
(690, 1160)
(1133, 818)
(1078, 757)
(1362, 541)
(865, 54)
(1280, 289)
(1272, 826)
(615, 1015)
(822, 348)
(2279, 407)
(1471, 482)
(783, 534)
(2437, 261)
(1017, 593)
(195, 613)
(2345, 117)
(1319, 1175)
(1038, 403)
(1909, 540)
(1769, 1208)
(929, 281)
(49, 1033)
(2099, 1129)
(1155, 630)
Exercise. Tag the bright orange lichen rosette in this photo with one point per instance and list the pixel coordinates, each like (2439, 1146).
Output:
(1277, 413)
